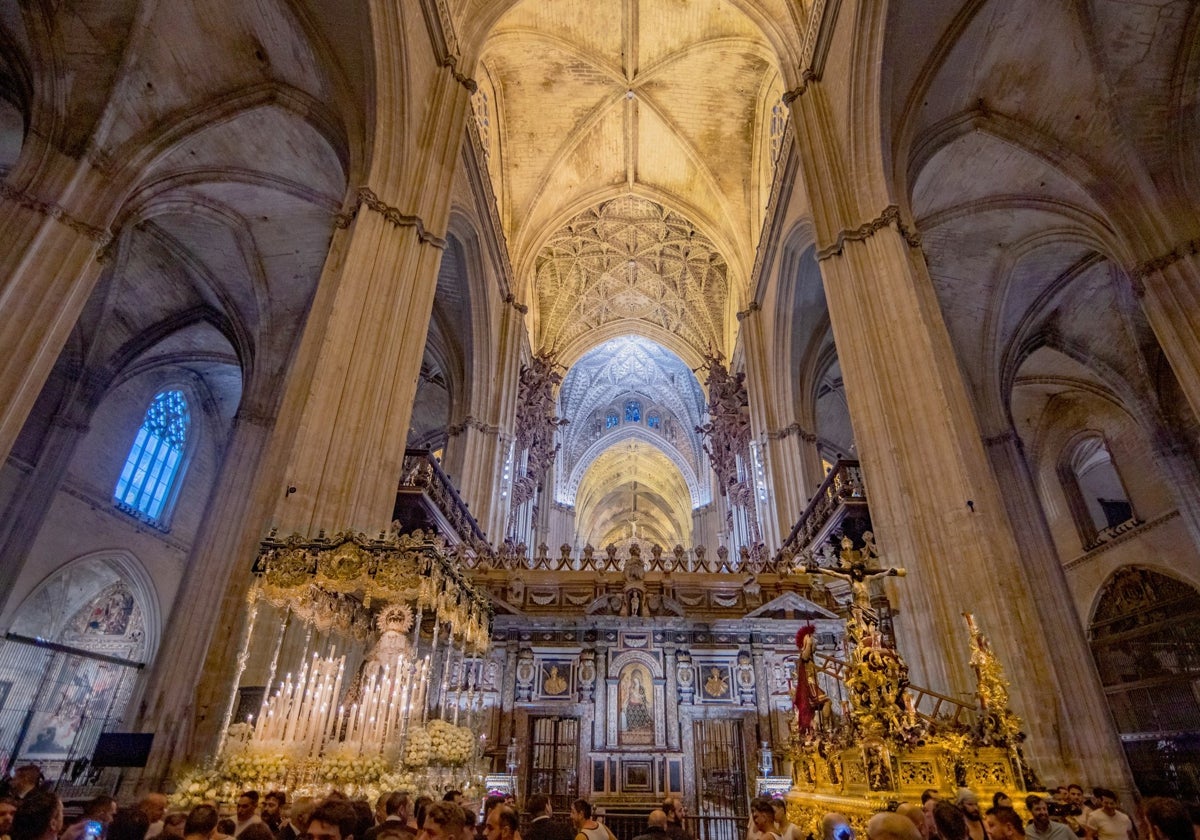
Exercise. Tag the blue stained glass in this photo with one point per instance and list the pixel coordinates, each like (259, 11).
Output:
(154, 459)
(653, 421)
(611, 420)
(633, 412)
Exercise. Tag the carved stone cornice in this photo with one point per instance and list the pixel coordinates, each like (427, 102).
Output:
(782, 183)
(440, 23)
(475, 154)
(470, 422)
(821, 19)
(1123, 537)
(365, 197)
(792, 429)
(101, 236)
(889, 216)
(1142, 270)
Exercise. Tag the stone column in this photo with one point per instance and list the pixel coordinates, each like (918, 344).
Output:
(23, 518)
(600, 723)
(935, 503)
(48, 267)
(795, 467)
(185, 693)
(471, 463)
(1078, 708)
(1169, 287)
(1178, 464)
(671, 693)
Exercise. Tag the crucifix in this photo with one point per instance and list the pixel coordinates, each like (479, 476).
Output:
(853, 569)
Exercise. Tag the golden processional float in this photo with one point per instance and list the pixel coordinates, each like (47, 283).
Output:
(891, 740)
(388, 689)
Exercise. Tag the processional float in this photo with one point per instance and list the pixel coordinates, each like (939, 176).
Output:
(393, 707)
(891, 740)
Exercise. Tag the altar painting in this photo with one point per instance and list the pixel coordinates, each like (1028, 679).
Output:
(635, 705)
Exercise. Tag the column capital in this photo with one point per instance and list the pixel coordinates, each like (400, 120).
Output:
(101, 236)
(789, 430)
(889, 216)
(366, 197)
(516, 304)
(1140, 272)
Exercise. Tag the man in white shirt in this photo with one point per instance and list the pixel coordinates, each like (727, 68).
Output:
(1106, 822)
(247, 811)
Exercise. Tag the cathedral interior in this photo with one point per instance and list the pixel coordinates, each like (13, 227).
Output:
(638, 311)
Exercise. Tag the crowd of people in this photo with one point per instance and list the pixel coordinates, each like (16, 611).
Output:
(28, 811)
(1066, 814)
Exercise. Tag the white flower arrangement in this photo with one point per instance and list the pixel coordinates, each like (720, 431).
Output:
(450, 745)
(417, 749)
(344, 768)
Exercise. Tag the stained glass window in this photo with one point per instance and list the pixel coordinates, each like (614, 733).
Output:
(633, 412)
(155, 458)
(611, 420)
(653, 420)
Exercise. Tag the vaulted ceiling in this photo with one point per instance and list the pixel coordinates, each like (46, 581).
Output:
(671, 102)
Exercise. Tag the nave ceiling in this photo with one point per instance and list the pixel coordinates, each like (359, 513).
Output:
(665, 107)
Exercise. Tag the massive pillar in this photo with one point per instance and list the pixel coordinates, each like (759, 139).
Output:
(53, 236)
(1169, 287)
(184, 696)
(935, 502)
(789, 452)
(1079, 710)
(347, 399)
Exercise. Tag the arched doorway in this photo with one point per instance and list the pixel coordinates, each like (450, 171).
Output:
(69, 661)
(1145, 638)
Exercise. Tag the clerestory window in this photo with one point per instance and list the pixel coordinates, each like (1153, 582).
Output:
(155, 460)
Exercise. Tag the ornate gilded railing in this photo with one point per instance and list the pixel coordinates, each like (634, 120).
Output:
(612, 559)
(843, 485)
(423, 474)
(932, 707)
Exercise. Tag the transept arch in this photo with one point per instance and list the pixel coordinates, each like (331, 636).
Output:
(1142, 632)
(698, 490)
(71, 658)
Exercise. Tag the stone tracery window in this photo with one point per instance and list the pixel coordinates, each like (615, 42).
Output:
(653, 420)
(633, 412)
(612, 420)
(155, 461)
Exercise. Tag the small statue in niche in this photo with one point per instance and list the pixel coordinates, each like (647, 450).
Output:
(635, 602)
(554, 683)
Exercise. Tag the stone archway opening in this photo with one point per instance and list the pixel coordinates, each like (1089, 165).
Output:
(1145, 638)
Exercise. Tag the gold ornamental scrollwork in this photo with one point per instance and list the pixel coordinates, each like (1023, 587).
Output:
(288, 568)
(344, 568)
(342, 581)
